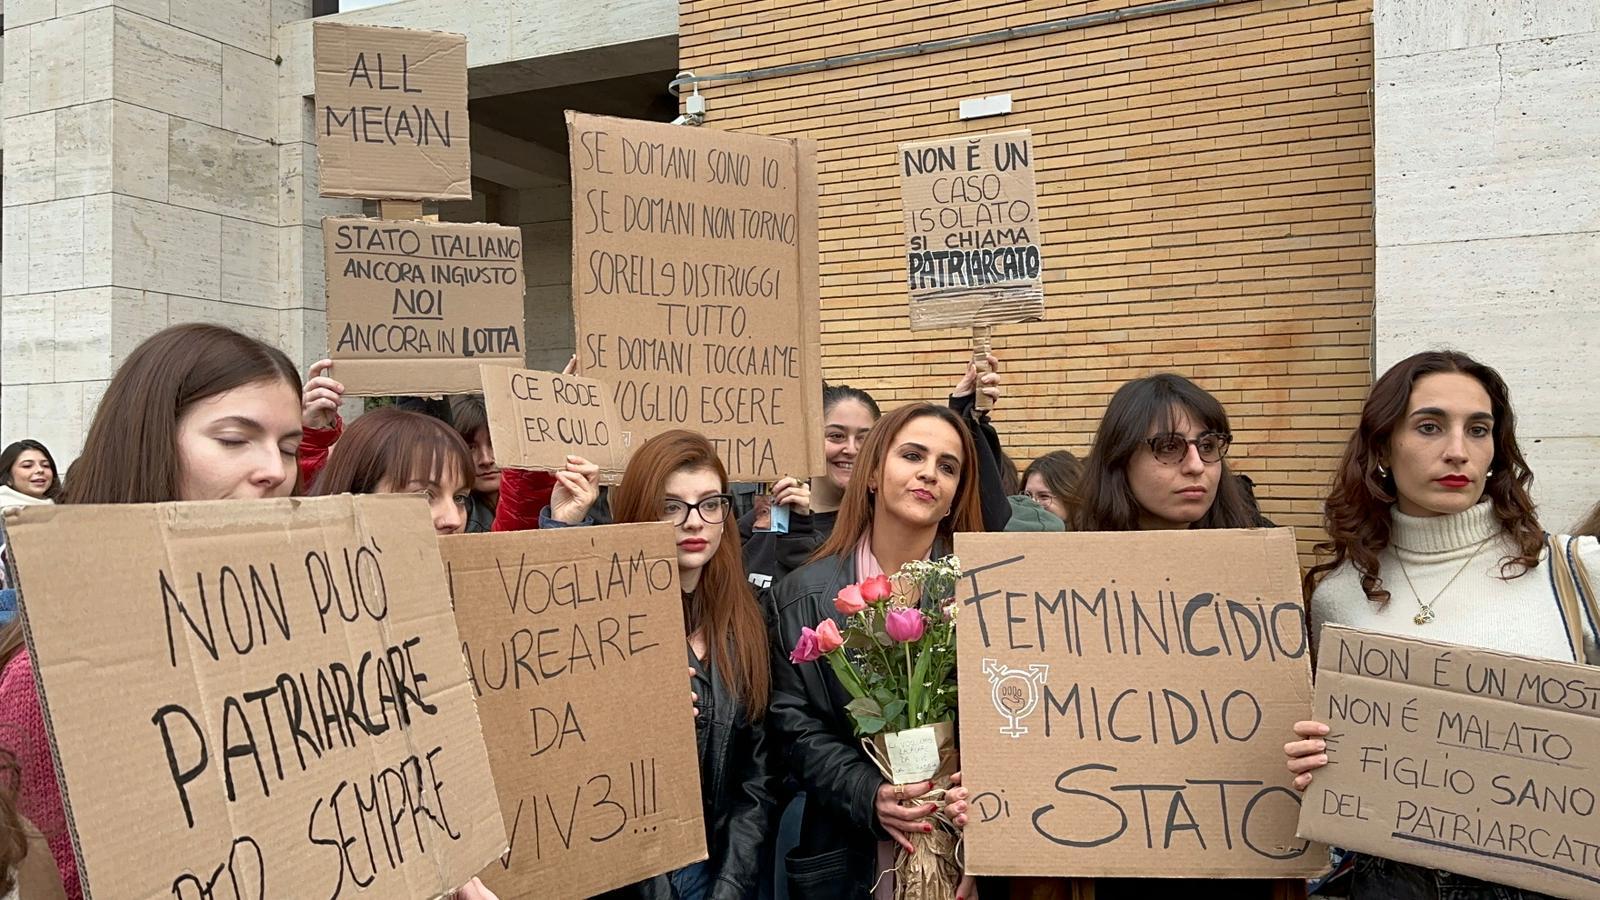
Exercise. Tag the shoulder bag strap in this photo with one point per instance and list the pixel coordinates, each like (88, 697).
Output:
(1566, 589)
(1586, 591)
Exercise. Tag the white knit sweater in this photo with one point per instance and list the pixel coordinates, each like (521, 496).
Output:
(1481, 609)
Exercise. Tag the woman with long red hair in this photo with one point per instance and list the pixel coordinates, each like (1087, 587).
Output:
(1432, 534)
(676, 477)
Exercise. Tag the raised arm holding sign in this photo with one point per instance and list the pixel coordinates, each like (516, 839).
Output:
(972, 235)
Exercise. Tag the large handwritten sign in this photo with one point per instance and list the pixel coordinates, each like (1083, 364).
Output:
(1459, 758)
(1124, 703)
(694, 281)
(972, 231)
(416, 307)
(537, 418)
(575, 645)
(391, 113)
(264, 697)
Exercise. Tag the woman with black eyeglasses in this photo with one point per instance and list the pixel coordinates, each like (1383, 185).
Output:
(1159, 462)
(676, 477)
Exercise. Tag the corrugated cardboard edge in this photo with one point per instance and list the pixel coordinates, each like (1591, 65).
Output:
(43, 516)
(578, 327)
(463, 192)
(371, 377)
(810, 303)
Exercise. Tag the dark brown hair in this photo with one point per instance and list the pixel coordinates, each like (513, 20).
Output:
(131, 452)
(1103, 498)
(856, 509)
(13, 837)
(1060, 470)
(1591, 525)
(1356, 515)
(722, 606)
(391, 448)
(834, 394)
(8, 458)
(12, 638)
(468, 415)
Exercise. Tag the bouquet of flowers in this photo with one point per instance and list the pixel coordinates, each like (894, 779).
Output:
(896, 656)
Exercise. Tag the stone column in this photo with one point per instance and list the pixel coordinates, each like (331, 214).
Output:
(142, 190)
(545, 216)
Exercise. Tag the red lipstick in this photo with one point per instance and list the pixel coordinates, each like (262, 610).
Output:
(1454, 482)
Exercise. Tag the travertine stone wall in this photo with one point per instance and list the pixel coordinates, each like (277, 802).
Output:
(143, 191)
(1488, 170)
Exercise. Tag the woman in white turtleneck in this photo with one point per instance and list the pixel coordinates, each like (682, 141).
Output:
(1433, 535)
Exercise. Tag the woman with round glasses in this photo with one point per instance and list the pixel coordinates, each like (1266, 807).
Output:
(676, 477)
(1159, 461)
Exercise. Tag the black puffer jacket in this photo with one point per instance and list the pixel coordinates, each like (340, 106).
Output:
(737, 787)
(836, 855)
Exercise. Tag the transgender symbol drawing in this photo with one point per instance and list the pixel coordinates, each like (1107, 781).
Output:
(1015, 693)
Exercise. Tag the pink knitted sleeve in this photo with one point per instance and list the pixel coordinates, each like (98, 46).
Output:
(22, 732)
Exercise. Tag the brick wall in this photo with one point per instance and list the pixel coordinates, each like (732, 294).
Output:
(1205, 183)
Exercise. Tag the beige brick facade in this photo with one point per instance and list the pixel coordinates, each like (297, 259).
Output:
(1205, 182)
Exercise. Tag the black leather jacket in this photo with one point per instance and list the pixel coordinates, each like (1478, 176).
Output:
(836, 856)
(737, 786)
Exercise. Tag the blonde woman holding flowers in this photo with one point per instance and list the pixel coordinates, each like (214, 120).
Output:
(915, 485)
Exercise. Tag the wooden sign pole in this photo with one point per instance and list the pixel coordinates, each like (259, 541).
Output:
(399, 209)
(980, 358)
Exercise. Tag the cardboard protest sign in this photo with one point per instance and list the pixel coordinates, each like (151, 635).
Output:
(262, 694)
(1460, 759)
(972, 231)
(1125, 699)
(537, 418)
(574, 641)
(694, 283)
(391, 113)
(416, 307)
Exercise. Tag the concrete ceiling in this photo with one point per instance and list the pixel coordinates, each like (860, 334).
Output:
(520, 140)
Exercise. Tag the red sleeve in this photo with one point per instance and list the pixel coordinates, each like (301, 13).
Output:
(22, 732)
(314, 447)
(524, 493)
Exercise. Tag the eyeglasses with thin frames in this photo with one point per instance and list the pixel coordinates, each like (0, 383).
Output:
(713, 509)
(1170, 447)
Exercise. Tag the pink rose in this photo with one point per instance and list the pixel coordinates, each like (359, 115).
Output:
(849, 600)
(904, 625)
(805, 649)
(828, 637)
(876, 588)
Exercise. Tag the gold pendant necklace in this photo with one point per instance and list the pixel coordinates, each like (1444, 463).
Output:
(1425, 612)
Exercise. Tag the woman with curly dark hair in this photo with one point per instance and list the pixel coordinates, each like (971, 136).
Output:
(1591, 523)
(1433, 535)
